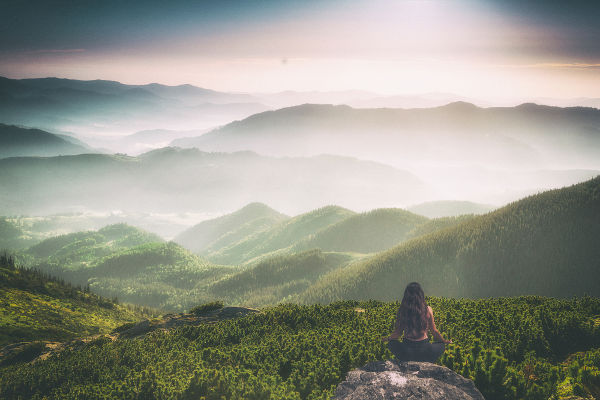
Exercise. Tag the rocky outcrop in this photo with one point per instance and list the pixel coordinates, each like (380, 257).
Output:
(406, 380)
(170, 321)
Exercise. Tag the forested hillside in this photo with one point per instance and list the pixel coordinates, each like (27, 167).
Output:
(527, 135)
(277, 279)
(108, 107)
(368, 232)
(545, 244)
(19, 142)
(78, 250)
(172, 180)
(282, 260)
(129, 264)
(35, 306)
(280, 236)
(437, 224)
(13, 236)
(448, 208)
(214, 234)
(256, 232)
(162, 275)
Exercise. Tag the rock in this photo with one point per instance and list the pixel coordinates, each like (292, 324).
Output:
(170, 321)
(406, 380)
(138, 329)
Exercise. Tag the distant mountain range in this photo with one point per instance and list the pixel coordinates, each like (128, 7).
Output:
(529, 135)
(457, 151)
(112, 108)
(485, 155)
(109, 108)
(18, 142)
(175, 180)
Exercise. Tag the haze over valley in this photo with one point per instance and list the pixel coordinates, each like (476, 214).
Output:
(295, 159)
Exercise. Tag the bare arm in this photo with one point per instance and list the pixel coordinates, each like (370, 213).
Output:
(437, 336)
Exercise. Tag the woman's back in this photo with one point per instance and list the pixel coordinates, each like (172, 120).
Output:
(412, 333)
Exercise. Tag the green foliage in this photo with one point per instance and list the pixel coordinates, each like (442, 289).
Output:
(437, 224)
(36, 306)
(158, 275)
(20, 232)
(256, 233)
(513, 348)
(368, 232)
(207, 307)
(214, 234)
(12, 235)
(77, 250)
(280, 236)
(161, 275)
(544, 244)
(449, 208)
(277, 278)
(120, 261)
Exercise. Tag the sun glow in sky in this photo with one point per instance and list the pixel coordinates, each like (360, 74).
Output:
(485, 49)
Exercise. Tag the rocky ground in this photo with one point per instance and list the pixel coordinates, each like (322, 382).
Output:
(382, 380)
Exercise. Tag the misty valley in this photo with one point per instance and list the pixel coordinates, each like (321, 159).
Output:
(174, 242)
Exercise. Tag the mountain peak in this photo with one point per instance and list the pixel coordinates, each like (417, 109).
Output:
(460, 105)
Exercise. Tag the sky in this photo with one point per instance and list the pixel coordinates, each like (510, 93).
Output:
(500, 49)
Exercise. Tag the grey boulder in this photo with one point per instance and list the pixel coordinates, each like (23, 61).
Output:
(405, 380)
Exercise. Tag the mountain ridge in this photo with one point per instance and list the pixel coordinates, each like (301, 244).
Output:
(528, 134)
(18, 141)
(532, 246)
(221, 181)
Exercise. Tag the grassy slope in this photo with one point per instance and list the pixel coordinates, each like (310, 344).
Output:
(209, 236)
(33, 307)
(449, 208)
(368, 232)
(80, 249)
(437, 224)
(163, 275)
(280, 236)
(277, 278)
(130, 264)
(544, 244)
(21, 232)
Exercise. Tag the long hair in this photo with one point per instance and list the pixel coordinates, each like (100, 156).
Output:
(412, 313)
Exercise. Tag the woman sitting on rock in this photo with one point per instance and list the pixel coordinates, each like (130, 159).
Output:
(415, 318)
